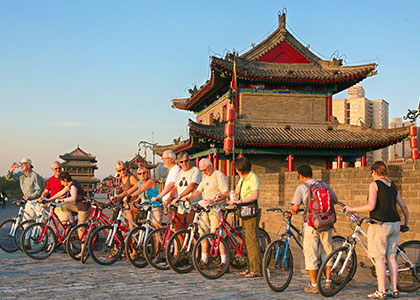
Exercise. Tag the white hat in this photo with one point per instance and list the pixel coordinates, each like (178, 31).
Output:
(26, 160)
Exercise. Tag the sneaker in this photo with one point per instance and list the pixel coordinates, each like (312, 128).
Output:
(328, 285)
(392, 294)
(157, 260)
(311, 289)
(377, 295)
(202, 265)
(221, 267)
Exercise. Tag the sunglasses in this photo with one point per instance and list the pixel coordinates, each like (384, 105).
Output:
(120, 170)
(141, 173)
(56, 168)
(183, 161)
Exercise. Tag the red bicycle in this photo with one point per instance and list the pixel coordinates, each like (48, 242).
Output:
(157, 241)
(39, 240)
(76, 243)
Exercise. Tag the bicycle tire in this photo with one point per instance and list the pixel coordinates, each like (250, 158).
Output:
(211, 269)
(84, 252)
(134, 247)
(154, 251)
(7, 236)
(409, 281)
(179, 258)
(19, 231)
(105, 252)
(278, 266)
(74, 241)
(341, 261)
(33, 246)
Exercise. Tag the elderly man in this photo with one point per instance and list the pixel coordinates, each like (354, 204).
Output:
(211, 188)
(188, 180)
(30, 184)
(168, 158)
(53, 187)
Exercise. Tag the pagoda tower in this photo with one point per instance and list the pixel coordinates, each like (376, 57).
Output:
(81, 166)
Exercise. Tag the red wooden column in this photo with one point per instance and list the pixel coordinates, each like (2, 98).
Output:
(197, 160)
(210, 156)
(339, 162)
(329, 108)
(290, 165)
(216, 161)
(225, 167)
(363, 161)
(232, 168)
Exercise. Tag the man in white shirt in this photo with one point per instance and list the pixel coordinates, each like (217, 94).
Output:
(168, 158)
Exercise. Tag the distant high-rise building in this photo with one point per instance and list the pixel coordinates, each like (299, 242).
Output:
(357, 110)
(401, 149)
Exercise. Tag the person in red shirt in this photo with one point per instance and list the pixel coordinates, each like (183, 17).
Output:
(53, 187)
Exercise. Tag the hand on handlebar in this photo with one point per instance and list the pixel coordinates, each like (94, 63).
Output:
(348, 209)
(175, 200)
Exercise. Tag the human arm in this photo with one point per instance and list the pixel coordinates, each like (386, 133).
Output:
(71, 198)
(148, 185)
(368, 207)
(167, 189)
(404, 208)
(11, 176)
(59, 194)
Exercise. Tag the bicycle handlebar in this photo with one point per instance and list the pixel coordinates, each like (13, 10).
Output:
(281, 210)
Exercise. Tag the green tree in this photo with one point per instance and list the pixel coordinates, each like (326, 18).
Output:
(11, 188)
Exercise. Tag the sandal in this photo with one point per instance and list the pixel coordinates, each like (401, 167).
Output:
(392, 294)
(253, 274)
(243, 273)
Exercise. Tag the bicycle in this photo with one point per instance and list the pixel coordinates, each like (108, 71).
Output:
(135, 242)
(157, 241)
(11, 229)
(236, 250)
(106, 243)
(39, 240)
(343, 261)
(76, 244)
(278, 264)
(181, 244)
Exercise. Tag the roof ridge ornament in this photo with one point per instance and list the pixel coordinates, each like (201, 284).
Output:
(282, 19)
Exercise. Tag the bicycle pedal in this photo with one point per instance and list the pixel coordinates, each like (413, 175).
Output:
(363, 265)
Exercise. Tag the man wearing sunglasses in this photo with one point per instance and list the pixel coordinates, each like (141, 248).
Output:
(53, 187)
(188, 180)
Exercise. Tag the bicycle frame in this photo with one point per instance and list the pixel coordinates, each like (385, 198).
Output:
(289, 233)
(195, 224)
(147, 224)
(54, 220)
(228, 229)
(169, 227)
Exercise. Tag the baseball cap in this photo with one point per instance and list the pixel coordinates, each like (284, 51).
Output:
(26, 160)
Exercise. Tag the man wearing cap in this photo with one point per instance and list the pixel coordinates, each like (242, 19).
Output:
(30, 184)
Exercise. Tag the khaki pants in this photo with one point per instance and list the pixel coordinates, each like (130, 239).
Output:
(32, 209)
(250, 228)
(313, 242)
(82, 216)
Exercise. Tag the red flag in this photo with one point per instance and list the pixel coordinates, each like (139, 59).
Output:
(233, 83)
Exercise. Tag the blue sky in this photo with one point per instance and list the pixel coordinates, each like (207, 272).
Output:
(101, 74)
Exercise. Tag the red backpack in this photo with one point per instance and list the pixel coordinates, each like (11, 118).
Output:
(320, 210)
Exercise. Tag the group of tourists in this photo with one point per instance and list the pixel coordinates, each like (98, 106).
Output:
(207, 186)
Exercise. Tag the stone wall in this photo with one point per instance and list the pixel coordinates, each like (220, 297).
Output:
(351, 186)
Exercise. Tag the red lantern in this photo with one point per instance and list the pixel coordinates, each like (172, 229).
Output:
(415, 154)
(230, 115)
(413, 130)
(413, 142)
(228, 145)
(229, 129)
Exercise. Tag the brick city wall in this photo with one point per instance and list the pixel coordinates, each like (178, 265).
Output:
(351, 186)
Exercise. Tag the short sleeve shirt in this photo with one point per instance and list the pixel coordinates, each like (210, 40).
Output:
(249, 185)
(172, 177)
(302, 194)
(185, 178)
(54, 186)
(213, 185)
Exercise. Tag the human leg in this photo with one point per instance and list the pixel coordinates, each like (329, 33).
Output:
(310, 251)
(250, 227)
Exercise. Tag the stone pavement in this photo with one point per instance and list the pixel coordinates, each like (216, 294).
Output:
(63, 278)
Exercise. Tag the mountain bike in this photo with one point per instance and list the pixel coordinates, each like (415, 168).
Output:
(343, 261)
(11, 228)
(234, 243)
(157, 240)
(39, 240)
(278, 265)
(106, 243)
(76, 244)
(135, 242)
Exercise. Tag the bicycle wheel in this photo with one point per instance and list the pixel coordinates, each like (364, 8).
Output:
(38, 241)
(409, 276)
(134, 247)
(19, 230)
(213, 269)
(342, 262)
(179, 251)
(77, 236)
(278, 266)
(104, 246)
(7, 235)
(264, 239)
(154, 252)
